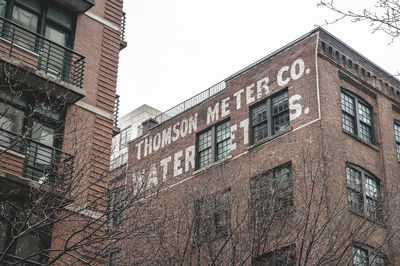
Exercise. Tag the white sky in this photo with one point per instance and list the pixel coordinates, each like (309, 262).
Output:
(178, 48)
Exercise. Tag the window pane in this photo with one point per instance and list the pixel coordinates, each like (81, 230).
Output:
(223, 149)
(371, 187)
(25, 18)
(223, 131)
(2, 8)
(11, 122)
(347, 104)
(365, 113)
(59, 16)
(29, 245)
(260, 132)
(280, 103)
(397, 132)
(32, 4)
(281, 122)
(353, 178)
(205, 140)
(348, 122)
(360, 257)
(365, 132)
(259, 113)
(205, 157)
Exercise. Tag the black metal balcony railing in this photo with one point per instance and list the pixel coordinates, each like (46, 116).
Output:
(41, 163)
(116, 110)
(123, 26)
(41, 53)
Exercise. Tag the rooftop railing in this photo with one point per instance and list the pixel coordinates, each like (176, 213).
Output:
(34, 160)
(190, 103)
(40, 53)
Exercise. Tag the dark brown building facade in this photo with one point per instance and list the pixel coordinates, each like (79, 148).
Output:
(294, 159)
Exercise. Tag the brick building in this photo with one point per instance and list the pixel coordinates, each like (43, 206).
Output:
(295, 158)
(58, 63)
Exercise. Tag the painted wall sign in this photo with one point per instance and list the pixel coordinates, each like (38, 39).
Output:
(183, 160)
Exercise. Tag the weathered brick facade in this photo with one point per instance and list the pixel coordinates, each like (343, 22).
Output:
(323, 157)
(79, 80)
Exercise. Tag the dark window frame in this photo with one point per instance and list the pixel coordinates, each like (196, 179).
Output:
(44, 20)
(264, 188)
(214, 144)
(285, 256)
(115, 206)
(125, 137)
(397, 138)
(212, 217)
(356, 119)
(107, 258)
(360, 197)
(371, 254)
(267, 117)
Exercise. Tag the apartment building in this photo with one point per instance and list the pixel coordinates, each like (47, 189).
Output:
(293, 160)
(58, 63)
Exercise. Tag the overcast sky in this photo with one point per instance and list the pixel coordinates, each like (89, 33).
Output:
(179, 48)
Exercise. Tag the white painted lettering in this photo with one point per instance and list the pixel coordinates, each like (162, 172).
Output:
(245, 125)
(184, 127)
(193, 123)
(166, 137)
(177, 163)
(139, 150)
(164, 164)
(213, 115)
(249, 93)
(175, 130)
(262, 84)
(189, 158)
(152, 180)
(157, 141)
(225, 107)
(147, 146)
(238, 97)
(233, 143)
(279, 78)
(296, 75)
(296, 107)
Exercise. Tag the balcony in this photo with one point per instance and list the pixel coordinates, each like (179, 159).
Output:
(35, 60)
(24, 161)
(123, 43)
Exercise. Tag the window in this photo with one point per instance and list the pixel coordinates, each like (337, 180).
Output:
(357, 117)
(33, 244)
(364, 255)
(282, 257)
(11, 122)
(270, 117)
(124, 137)
(115, 206)
(213, 144)
(112, 258)
(397, 134)
(271, 194)
(363, 192)
(212, 216)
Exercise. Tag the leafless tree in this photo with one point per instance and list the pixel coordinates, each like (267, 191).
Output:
(56, 207)
(296, 214)
(384, 17)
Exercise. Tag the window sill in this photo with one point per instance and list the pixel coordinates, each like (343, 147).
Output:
(373, 146)
(362, 216)
(212, 165)
(269, 138)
